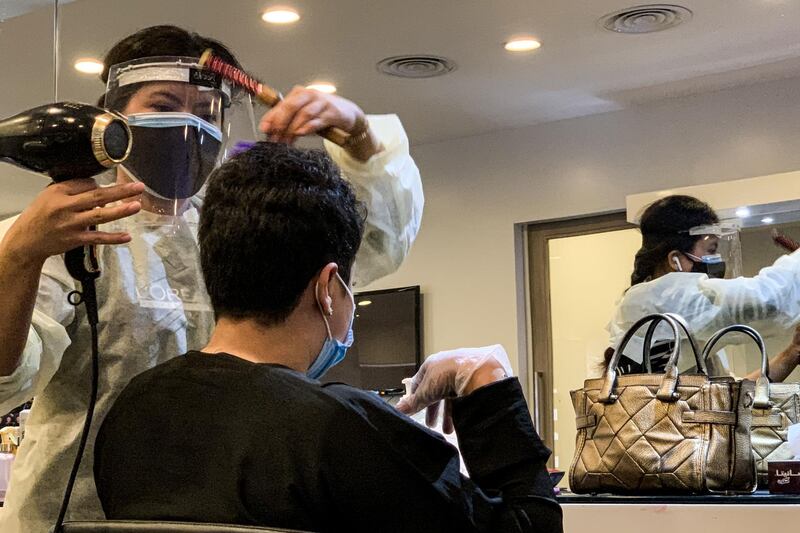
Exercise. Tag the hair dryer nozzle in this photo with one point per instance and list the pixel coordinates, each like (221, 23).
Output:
(65, 140)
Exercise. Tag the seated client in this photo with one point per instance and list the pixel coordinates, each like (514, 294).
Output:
(242, 432)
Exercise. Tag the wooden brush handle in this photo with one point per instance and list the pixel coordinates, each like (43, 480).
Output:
(271, 97)
(335, 135)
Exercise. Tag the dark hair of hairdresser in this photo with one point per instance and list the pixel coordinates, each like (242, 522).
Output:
(162, 40)
(665, 226)
(272, 218)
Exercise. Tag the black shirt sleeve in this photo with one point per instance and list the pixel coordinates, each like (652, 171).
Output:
(395, 475)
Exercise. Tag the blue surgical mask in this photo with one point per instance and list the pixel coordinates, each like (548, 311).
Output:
(333, 350)
(711, 265)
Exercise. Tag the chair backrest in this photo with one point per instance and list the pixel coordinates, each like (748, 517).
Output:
(140, 526)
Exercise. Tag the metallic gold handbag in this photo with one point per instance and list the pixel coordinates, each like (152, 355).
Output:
(771, 416)
(648, 433)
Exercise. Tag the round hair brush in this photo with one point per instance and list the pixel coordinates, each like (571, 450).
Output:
(782, 241)
(260, 90)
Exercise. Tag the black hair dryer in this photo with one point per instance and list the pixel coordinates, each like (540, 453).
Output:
(66, 141)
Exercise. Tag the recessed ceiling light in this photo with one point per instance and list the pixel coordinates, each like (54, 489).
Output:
(323, 87)
(525, 44)
(364, 303)
(89, 66)
(767, 220)
(280, 15)
(743, 212)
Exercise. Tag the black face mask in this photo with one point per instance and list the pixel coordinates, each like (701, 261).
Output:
(173, 161)
(712, 270)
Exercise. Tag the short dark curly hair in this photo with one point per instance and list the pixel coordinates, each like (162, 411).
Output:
(272, 218)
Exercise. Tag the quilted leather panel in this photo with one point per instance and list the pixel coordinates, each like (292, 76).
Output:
(639, 443)
(769, 443)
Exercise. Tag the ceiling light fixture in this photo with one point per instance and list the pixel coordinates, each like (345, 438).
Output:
(280, 15)
(323, 87)
(525, 44)
(767, 220)
(743, 212)
(89, 66)
(364, 303)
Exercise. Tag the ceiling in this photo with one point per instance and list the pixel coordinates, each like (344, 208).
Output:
(581, 68)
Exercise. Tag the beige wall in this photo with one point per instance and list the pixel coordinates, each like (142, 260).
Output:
(478, 187)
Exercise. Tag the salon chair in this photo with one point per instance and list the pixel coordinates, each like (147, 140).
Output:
(140, 526)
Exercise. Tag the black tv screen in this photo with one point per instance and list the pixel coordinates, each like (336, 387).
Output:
(388, 341)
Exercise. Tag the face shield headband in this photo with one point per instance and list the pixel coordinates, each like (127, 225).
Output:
(168, 84)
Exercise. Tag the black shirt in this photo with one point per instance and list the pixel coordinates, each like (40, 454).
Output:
(215, 438)
(659, 357)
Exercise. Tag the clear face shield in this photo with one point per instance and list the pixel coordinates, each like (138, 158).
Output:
(180, 117)
(720, 250)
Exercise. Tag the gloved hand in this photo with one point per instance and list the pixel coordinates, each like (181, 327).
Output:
(452, 373)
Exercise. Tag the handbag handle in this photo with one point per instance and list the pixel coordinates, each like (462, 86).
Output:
(666, 391)
(761, 399)
(648, 339)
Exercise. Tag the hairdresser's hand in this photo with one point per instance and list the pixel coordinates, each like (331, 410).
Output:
(58, 219)
(453, 373)
(306, 111)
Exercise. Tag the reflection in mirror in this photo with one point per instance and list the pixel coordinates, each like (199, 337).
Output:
(758, 251)
(589, 273)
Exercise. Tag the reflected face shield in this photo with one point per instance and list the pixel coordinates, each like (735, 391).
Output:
(172, 153)
(722, 253)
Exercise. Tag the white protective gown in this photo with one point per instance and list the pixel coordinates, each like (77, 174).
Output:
(768, 302)
(153, 306)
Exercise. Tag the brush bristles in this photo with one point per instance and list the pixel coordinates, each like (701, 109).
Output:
(230, 73)
(787, 243)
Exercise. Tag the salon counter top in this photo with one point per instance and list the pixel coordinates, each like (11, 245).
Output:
(670, 514)
(761, 497)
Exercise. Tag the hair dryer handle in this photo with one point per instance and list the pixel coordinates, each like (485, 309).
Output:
(82, 265)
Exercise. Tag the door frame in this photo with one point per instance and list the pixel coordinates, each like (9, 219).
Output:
(534, 315)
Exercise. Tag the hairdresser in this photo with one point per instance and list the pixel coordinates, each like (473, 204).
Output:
(689, 264)
(151, 294)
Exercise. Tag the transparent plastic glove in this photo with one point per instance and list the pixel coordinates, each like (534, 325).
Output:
(445, 375)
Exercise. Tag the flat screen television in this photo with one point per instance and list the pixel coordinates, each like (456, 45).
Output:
(388, 341)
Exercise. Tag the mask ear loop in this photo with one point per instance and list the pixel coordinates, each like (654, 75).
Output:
(349, 292)
(330, 312)
(348, 341)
